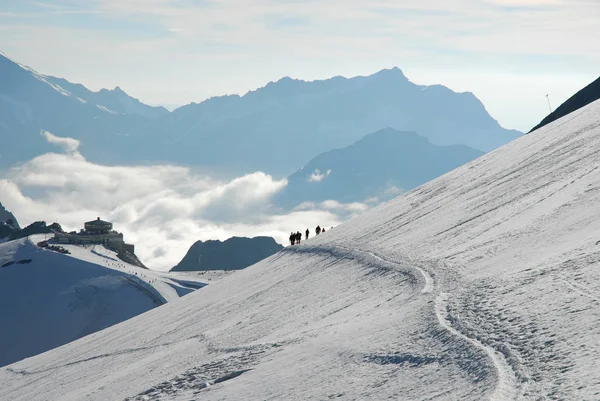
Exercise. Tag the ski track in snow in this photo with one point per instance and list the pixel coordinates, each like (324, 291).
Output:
(25, 372)
(507, 387)
(346, 252)
(580, 289)
(428, 280)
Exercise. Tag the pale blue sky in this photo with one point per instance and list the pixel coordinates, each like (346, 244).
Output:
(510, 53)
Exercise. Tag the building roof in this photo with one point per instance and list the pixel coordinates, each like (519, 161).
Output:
(98, 222)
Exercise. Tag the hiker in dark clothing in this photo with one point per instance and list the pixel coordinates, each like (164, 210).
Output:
(298, 237)
(318, 230)
(292, 238)
(307, 232)
(323, 230)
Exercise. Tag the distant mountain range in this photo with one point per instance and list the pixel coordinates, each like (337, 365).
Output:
(30, 102)
(382, 164)
(587, 95)
(233, 254)
(279, 127)
(115, 101)
(274, 129)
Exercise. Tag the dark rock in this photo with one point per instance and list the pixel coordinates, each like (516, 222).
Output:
(38, 227)
(587, 95)
(233, 254)
(8, 218)
(6, 230)
(131, 258)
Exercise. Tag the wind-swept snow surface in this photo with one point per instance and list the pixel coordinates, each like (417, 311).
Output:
(48, 299)
(482, 284)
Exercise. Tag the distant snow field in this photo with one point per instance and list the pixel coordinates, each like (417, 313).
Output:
(483, 284)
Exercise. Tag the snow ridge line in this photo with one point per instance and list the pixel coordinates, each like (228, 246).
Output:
(343, 252)
(146, 288)
(507, 387)
(428, 284)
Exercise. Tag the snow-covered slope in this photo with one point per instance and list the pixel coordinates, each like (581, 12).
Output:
(48, 299)
(482, 284)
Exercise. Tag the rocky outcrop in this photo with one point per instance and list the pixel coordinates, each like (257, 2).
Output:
(8, 217)
(233, 254)
(587, 95)
(37, 227)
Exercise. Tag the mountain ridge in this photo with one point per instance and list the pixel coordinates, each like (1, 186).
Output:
(30, 103)
(115, 100)
(582, 98)
(235, 134)
(381, 164)
(318, 116)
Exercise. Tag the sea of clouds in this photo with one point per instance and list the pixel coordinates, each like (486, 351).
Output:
(162, 209)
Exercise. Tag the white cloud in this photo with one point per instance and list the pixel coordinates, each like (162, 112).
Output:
(317, 176)
(68, 144)
(372, 200)
(354, 207)
(392, 191)
(162, 209)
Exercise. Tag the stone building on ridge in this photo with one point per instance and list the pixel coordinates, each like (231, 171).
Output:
(96, 232)
(98, 226)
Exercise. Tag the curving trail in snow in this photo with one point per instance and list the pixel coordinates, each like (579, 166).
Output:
(418, 273)
(507, 386)
(428, 284)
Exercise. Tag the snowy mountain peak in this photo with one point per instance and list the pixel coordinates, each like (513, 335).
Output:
(11, 67)
(393, 72)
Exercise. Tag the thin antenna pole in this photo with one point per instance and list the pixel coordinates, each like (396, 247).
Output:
(548, 98)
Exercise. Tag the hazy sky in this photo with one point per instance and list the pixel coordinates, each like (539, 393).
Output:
(510, 53)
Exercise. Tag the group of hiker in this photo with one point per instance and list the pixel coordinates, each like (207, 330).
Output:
(296, 237)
